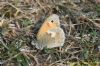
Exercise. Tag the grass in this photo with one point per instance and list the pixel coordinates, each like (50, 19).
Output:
(18, 31)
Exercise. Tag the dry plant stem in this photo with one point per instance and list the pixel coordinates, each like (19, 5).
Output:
(97, 25)
(78, 24)
(93, 22)
(12, 57)
(38, 1)
(34, 57)
(75, 52)
(62, 60)
(69, 28)
(68, 47)
(4, 43)
(25, 54)
(42, 7)
(48, 58)
(14, 7)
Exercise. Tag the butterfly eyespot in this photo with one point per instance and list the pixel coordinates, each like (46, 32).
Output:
(52, 21)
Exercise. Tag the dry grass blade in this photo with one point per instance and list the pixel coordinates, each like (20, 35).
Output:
(20, 21)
